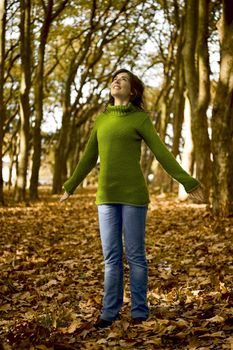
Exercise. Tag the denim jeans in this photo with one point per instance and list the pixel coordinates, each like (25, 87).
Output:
(114, 221)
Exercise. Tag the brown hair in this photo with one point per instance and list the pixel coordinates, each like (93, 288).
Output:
(137, 88)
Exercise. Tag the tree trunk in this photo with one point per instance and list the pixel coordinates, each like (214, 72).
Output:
(200, 124)
(24, 100)
(60, 161)
(67, 125)
(196, 67)
(38, 87)
(39, 93)
(66, 129)
(178, 97)
(11, 164)
(187, 155)
(222, 119)
(3, 4)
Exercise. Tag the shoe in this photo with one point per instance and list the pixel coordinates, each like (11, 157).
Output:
(100, 323)
(137, 320)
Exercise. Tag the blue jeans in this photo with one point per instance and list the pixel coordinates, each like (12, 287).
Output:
(131, 220)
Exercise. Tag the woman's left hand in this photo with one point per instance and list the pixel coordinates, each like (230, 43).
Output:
(197, 195)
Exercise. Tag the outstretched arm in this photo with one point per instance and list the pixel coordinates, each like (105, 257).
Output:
(85, 165)
(165, 157)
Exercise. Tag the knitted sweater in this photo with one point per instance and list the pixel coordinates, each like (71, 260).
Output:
(116, 137)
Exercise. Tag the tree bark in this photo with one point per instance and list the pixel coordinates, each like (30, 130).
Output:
(24, 100)
(196, 68)
(178, 98)
(187, 155)
(3, 4)
(39, 93)
(200, 125)
(38, 88)
(222, 119)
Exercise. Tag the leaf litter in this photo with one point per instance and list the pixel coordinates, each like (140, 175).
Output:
(51, 279)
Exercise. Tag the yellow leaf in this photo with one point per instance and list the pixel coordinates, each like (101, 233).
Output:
(181, 335)
(114, 335)
(182, 323)
(231, 342)
(102, 341)
(205, 281)
(74, 325)
(49, 284)
(25, 295)
(5, 307)
(42, 347)
(156, 341)
(125, 325)
(219, 334)
(216, 318)
(132, 335)
(98, 299)
(29, 315)
(222, 287)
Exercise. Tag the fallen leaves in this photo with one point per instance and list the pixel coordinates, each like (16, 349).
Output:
(51, 282)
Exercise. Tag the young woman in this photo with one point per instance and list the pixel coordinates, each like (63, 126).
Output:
(122, 196)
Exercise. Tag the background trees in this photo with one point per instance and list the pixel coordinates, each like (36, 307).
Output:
(56, 63)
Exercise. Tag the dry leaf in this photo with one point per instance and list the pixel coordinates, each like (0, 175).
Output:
(217, 318)
(5, 307)
(51, 284)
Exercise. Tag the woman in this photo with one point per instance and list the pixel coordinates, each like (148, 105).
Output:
(122, 196)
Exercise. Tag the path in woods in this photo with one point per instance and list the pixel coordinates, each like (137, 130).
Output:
(52, 275)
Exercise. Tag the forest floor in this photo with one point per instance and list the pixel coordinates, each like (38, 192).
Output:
(51, 278)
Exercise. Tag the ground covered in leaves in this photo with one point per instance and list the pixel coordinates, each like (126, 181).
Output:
(51, 278)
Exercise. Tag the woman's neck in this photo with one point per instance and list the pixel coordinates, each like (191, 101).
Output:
(119, 102)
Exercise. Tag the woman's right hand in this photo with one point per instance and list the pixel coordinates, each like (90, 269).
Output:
(197, 195)
(64, 197)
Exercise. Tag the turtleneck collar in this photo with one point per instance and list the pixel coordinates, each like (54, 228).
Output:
(121, 110)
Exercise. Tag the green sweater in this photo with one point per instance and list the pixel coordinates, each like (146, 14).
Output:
(116, 137)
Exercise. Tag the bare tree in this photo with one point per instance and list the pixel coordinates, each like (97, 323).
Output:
(24, 99)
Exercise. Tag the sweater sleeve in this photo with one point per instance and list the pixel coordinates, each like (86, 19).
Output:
(85, 164)
(165, 157)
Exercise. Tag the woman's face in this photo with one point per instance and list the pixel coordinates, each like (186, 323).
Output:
(121, 87)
